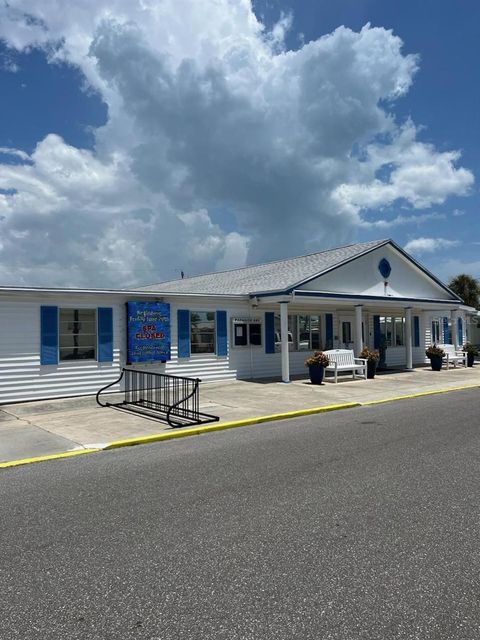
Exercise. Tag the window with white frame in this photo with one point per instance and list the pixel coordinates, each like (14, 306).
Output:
(77, 334)
(437, 337)
(399, 336)
(392, 330)
(202, 331)
(309, 333)
(304, 332)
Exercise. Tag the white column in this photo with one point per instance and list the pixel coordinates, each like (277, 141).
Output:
(453, 320)
(358, 329)
(408, 338)
(284, 341)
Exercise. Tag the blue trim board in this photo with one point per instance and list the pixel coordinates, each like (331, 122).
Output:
(105, 334)
(354, 296)
(269, 332)
(460, 330)
(377, 332)
(416, 331)
(329, 331)
(48, 335)
(183, 333)
(221, 331)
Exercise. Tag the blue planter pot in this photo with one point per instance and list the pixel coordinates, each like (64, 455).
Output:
(371, 369)
(436, 362)
(316, 374)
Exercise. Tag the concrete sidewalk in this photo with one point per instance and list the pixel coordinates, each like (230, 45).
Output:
(53, 426)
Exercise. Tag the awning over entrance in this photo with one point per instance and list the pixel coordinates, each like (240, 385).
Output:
(351, 312)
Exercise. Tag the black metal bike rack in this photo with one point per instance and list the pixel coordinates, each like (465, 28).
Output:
(172, 398)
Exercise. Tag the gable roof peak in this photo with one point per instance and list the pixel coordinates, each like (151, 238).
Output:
(276, 275)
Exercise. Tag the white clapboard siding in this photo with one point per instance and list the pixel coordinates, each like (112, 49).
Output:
(397, 356)
(21, 375)
(23, 378)
(207, 367)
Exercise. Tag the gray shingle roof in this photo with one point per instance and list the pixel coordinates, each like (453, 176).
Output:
(279, 275)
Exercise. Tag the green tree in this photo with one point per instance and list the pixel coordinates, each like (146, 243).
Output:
(467, 288)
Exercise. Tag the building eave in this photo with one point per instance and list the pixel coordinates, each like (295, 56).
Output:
(426, 271)
(301, 293)
(116, 292)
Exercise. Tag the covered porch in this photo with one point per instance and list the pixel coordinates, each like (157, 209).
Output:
(399, 328)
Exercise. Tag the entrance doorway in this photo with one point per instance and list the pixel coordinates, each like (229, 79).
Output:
(346, 338)
(346, 332)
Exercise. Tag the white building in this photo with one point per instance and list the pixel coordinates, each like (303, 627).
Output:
(227, 325)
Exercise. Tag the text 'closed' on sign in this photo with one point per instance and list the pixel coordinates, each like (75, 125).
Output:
(148, 332)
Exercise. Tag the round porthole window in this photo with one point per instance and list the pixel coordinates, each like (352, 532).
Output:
(384, 268)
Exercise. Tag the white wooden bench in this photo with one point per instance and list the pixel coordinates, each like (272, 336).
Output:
(344, 360)
(453, 355)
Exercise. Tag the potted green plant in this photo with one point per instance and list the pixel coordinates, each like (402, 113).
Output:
(372, 358)
(316, 366)
(436, 354)
(471, 351)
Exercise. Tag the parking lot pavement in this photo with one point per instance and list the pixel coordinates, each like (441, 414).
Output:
(36, 428)
(350, 525)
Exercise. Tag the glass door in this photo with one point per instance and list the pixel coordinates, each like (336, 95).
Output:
(346, 333)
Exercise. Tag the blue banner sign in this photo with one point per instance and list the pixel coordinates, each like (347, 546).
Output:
(148, 331)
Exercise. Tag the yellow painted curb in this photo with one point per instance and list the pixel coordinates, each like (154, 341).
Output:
(419, 395)
(196, 431)
(183, 433)
(52, 456)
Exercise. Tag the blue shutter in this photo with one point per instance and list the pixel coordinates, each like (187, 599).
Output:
(183, 330)
(460, 331)
(377, 335)
(105, 334)
(48, 335)
(221, 328)
(328, 331)
(269, 332)
(416, 331)
(445, 331)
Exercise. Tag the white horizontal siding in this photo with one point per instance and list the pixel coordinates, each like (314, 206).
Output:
(207, 367)
(255, 363)
(22, 377)
(397, 356)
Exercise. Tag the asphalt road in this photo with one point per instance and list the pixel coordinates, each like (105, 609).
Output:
(361, 524)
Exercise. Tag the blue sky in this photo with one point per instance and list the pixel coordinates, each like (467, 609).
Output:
(444, 98)
(136, 144)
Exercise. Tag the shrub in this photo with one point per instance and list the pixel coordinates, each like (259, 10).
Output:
(319, 359)
(433, 351)
(371, 356)
(470, 348)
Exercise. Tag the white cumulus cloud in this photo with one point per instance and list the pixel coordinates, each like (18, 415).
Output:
(207, 113)
(401, 220)
(429, 245)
